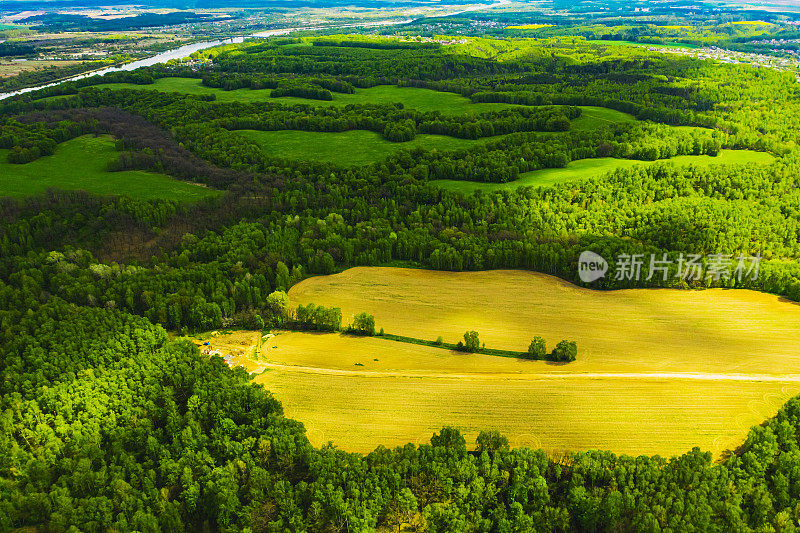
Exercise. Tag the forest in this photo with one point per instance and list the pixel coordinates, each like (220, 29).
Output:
(107, 424)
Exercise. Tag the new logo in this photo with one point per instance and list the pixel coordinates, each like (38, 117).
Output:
(591, 267)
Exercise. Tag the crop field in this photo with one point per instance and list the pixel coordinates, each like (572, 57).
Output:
(358, 412)
(13, 68)
(80, 164)
(590, 168)
(658, 371)
(355, 147)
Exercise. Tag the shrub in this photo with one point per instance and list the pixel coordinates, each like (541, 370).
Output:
(471, 342)
(565, 352)
(363, 324)
(537, 348)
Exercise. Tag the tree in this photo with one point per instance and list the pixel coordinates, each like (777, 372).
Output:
(364, 324)
(282, 277)
(471, 342)
(278, 304)
(491, 441)
(451, 439)
(565, 352)
(402, 509)
(537, 348)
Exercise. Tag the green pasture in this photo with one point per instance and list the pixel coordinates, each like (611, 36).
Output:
(410, 97)
(355, 147)
(589, 168)
(80, 164)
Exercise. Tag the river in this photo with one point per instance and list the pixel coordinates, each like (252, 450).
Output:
(175, 53)
(189, 49)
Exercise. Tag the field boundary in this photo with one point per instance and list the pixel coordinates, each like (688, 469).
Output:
(454, 347)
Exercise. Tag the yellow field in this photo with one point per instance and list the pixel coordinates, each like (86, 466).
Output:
(732, 331)
(359, 412)
(658, 371)
(529, 26)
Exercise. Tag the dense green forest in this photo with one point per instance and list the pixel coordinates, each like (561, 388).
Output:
(106, 424)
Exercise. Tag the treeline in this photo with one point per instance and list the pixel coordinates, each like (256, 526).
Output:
(318, 318)
(14, 48)
(381, 44)
(223, 276)
(259, 81)
(29, 142)
(401, 125)
(664, 115)
(61, 22)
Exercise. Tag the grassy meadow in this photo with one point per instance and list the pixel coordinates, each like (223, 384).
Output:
(410, 97)
(355, 147)
(658, 371)
(590, 168)
(81, 164)
(358, 147)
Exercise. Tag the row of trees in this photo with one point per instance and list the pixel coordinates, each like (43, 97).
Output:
(318, 318)
(564, 352)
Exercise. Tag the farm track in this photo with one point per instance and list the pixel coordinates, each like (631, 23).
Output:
(696, 376)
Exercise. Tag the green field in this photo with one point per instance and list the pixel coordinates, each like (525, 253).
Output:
(371, 147)
(80, 164)
(410, 97)
(594, 117)
(590, 168)
(355, 147)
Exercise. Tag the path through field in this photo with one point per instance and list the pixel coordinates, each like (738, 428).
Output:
(658, 371)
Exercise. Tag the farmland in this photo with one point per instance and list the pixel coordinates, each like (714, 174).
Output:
(81, 164)
(14, 68)
(165, 369)
(645, 358)
(632, 416)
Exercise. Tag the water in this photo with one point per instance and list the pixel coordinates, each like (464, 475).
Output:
(175, 53)
(189, 49)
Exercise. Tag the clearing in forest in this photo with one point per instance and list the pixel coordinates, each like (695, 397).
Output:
(658, 371)
(339, 147)
(411, 97)
(81, 164)
(591, 168)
